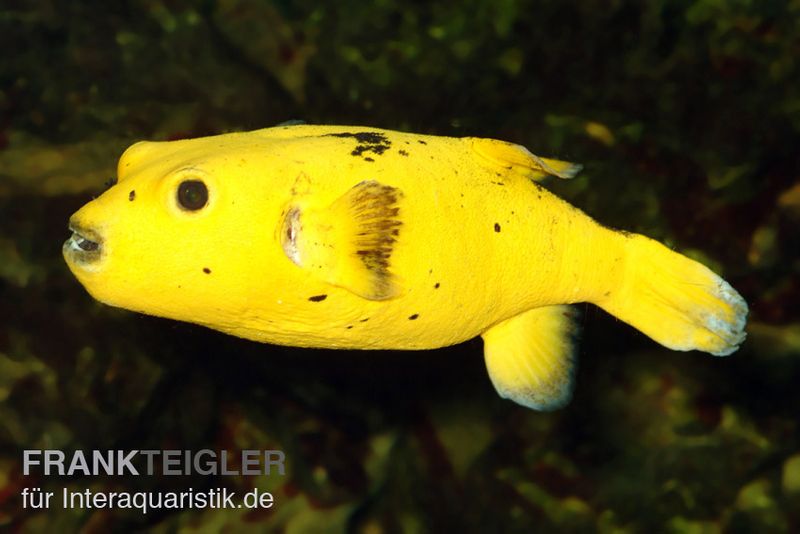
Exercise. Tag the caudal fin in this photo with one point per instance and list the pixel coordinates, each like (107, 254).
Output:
(677, 301)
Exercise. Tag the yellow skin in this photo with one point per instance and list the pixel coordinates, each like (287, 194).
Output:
(468, 242)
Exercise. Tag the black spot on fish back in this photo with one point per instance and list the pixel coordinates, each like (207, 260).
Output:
(132, 195)
(317, 298)
(413, 317)
(374, 142)
(363, 137)
(206, 270)
(497, 227)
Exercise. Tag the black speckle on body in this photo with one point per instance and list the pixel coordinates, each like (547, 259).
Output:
(497, 227)
(349, 326)
(413, 317)
(373, 138)
(206, 270)
(403, 153)
(364, 320)
(436, 285)
(132, 195)
(317, 298)
(374, 142)
(420, 141)
(368, 159)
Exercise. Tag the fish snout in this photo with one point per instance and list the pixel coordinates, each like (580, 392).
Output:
(85, 246)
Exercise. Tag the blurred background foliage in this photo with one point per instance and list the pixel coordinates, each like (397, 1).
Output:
(686, 115)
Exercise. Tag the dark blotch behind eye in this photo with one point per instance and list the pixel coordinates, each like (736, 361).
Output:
(192, 195)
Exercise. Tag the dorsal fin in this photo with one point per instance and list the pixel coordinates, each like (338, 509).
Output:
(511, 156)
(350, 243)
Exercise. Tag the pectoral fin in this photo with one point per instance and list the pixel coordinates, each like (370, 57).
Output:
(350, 243)
(531, 357)
(510, 156)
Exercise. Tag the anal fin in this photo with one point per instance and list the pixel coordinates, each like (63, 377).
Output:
(531, 357)
(350, 243)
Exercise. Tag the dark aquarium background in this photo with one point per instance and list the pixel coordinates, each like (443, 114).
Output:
(686, 116)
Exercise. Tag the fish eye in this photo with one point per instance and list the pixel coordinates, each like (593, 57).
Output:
(192, 195)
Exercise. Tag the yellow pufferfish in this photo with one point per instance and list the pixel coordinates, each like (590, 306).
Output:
(361, 238)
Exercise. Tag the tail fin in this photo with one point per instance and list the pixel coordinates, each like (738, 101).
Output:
(678, 302)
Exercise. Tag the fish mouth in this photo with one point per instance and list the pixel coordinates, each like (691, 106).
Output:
(84, 245)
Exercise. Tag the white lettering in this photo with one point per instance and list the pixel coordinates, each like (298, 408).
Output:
(224, 461)
(107, 462)
(275, 458)
(171, 459)
(150, 454)
(256, 499)
(250, 463)
(124, 461)
(28, 460)
(53, 458)
(78, 463)
(210, 467)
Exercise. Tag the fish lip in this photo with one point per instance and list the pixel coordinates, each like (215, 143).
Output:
(84, 246)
